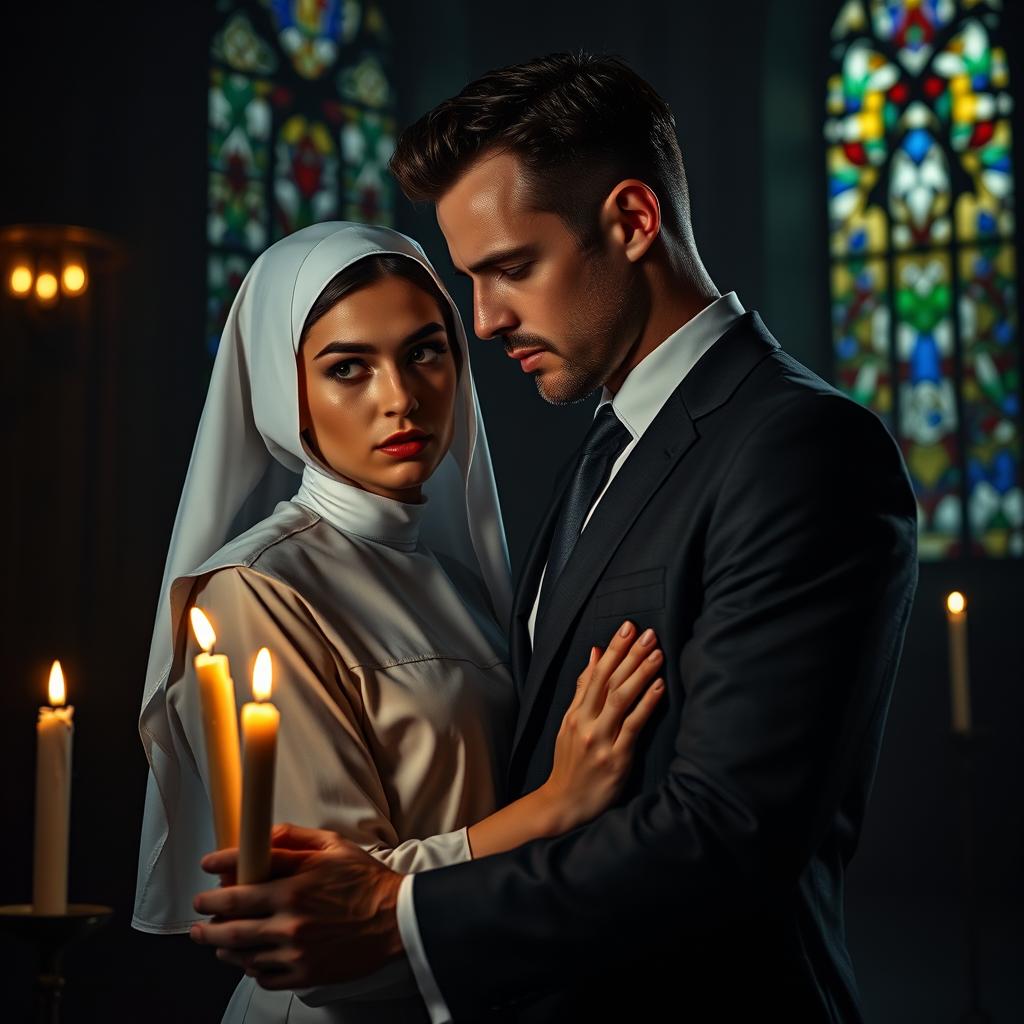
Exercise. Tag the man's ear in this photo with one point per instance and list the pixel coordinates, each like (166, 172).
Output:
(632, 214)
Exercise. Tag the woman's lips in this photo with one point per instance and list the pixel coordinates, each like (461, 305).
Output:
(404, 449)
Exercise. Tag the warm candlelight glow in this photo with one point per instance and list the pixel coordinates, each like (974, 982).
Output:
(204, 633)
(57, 695)
(21, 280)
(956, 602)
(73, 279)
(46, 286)
(262, 675)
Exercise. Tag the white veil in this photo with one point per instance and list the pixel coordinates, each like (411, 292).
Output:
(251, 417)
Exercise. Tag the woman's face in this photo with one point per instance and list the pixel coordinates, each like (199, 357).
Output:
(376, 365)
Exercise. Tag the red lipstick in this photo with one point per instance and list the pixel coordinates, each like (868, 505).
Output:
(405, 443)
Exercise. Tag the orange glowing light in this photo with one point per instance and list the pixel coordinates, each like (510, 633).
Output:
(262, 675)
(204, 633)
(46, 286)
(956, 602)
(74, 279)
(20, 280)
(57, 691)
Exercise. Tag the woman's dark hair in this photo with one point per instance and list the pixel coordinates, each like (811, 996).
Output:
(578, 122)
(373, 268)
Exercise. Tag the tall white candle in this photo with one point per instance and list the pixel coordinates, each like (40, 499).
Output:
(54, 732)
(956, 614)
(220, 732)
(260, 721)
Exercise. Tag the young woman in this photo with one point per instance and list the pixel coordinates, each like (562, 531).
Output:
(381, 588)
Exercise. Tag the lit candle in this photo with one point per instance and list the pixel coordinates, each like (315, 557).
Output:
(260, 720)
(54, 731)
(956, 613)
(220, 730)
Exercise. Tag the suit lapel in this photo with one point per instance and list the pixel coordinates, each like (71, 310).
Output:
(668, 439)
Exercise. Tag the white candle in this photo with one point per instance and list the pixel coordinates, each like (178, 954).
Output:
(54, 731)
(956, 613)
(220, 731)
(260, 721)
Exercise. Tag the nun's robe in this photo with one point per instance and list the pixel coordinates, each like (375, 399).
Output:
(396, 705)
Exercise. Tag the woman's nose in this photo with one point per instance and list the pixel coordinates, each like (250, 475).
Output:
(399, 399)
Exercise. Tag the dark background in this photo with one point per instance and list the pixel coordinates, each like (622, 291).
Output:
(104, 124)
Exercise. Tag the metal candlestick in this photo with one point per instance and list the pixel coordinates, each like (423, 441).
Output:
(51, 934)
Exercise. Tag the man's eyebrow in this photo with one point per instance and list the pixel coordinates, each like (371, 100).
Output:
(517, 252)
(362, 348)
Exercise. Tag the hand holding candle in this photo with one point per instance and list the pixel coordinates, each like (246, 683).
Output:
(956, 613)
(54, 731)
(260, 720)
(220, 729)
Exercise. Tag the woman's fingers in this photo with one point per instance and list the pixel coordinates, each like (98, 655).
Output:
(583, 679)
(618, 647)
(623, 697)
(637, 655)
(638, 717)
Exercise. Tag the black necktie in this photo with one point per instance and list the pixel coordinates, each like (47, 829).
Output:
(601, 447)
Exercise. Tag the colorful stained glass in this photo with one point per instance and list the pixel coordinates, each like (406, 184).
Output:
(928, 424)
(860, 333)
(237, 212)
(367, 143)
(300, 128)
(239, 120)
(918, 156)
(992, 399)
(977, 80)
(238, 46)
(310, 31)
(225, 272)
(910, 27)
(365, 83)
(919, 187)
(306, 176)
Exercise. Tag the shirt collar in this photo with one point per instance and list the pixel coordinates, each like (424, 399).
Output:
(367, 515)
(654, 378)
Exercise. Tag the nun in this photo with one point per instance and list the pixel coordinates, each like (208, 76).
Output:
(342, 403)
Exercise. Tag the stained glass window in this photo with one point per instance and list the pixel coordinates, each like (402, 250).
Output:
(923, 278)
(301, 127)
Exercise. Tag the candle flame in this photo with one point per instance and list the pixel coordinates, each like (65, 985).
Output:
(262, 675)
(57, 693)
(202, 629)
(956, 602)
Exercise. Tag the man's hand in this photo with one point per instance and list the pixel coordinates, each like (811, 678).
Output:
(327, 916)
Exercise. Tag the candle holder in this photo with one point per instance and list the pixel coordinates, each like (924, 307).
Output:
(51, 934)
(966, 745)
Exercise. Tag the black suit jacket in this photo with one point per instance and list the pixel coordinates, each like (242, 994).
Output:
(765, 526)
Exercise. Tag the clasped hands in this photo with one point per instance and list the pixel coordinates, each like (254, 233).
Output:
(329, 913)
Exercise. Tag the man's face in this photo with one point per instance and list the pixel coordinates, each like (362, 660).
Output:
(568, 315)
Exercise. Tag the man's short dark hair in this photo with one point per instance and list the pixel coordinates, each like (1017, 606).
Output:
(578, 122)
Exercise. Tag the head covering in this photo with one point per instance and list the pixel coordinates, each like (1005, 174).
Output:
(251, 419)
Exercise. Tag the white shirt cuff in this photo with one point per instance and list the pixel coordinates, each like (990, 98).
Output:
(409, 929)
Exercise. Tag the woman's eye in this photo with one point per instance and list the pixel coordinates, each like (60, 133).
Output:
(346, 369)
(423, 354)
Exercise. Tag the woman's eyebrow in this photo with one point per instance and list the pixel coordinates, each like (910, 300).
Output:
(362, 348)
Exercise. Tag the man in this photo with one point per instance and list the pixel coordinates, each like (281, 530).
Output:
(761, 522)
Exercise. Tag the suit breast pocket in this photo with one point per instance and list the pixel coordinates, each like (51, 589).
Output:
(630, 593)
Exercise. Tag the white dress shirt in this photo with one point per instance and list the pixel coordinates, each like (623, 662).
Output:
(643, 393)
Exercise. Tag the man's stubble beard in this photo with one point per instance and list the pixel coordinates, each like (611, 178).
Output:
(597, 342)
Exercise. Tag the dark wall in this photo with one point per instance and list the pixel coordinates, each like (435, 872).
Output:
(105, 113)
